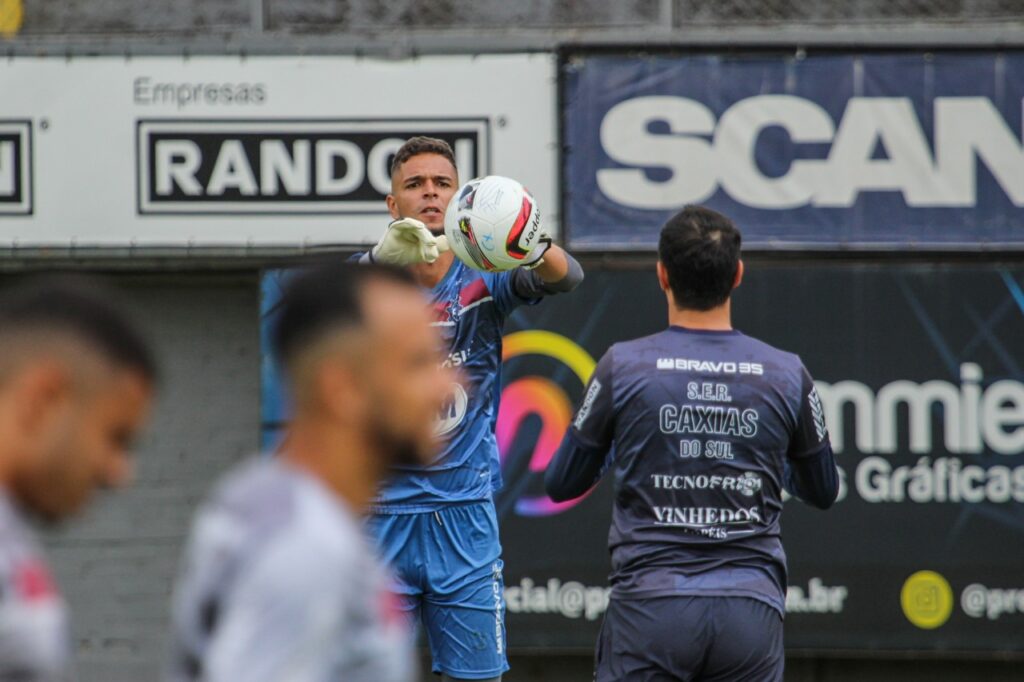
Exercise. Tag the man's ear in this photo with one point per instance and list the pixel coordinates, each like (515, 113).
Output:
(392, 206)
(739, 275)
(662, 276)
(338, 390)
(37, 390)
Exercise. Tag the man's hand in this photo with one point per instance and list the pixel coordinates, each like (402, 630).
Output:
(407, 241)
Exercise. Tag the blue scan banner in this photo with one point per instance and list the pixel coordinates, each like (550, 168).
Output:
(873, 151)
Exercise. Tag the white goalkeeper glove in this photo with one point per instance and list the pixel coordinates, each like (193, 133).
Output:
(536, 257)
(407, 241)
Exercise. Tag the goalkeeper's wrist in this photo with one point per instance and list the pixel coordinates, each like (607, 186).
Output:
(536, 257)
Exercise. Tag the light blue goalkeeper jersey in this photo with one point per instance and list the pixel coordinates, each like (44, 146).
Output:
(471, 308)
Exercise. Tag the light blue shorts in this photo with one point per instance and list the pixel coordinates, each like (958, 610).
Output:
(448, 567)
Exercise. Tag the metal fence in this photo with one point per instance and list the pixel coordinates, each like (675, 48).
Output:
(482, 20)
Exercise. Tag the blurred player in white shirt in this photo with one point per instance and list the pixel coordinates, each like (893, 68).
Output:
(76, 383)
(279, 584)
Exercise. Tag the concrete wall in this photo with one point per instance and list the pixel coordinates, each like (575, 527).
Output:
(289, 18)
(117, 563)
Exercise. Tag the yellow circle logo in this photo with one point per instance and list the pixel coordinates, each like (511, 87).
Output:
(11, 15)
(927, 600)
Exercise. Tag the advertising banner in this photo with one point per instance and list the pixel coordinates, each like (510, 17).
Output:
(263, 151)
(921, 379)
(823, 151)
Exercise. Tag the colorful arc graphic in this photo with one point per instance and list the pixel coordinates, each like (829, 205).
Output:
(541, 397)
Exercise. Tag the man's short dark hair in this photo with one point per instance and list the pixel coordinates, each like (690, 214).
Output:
(81, 308)
(421, 145)
(700, 250)
(325, 298)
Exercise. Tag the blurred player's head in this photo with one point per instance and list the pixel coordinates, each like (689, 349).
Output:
(423, 180)
(76, 382)
(699, 259)
(358, 346)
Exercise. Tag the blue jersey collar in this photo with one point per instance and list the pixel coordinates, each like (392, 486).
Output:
(447, 276)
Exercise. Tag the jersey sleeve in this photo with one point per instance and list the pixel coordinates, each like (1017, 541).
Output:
(810, 472)
(594, 422)
(583, 456)
(508, 290)
(811, 433)
(280, 618)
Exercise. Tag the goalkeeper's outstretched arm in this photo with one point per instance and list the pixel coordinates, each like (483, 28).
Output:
(530, 284)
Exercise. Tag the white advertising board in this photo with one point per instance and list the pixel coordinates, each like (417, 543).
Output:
(242, 152)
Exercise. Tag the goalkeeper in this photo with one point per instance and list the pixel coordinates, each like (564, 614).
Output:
(436, 525)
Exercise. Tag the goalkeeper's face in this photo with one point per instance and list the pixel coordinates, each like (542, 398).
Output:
(421, 188)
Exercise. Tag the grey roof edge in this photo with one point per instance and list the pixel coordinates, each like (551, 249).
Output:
(411, 43)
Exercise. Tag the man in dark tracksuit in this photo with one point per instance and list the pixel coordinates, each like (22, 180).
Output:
(708, 427)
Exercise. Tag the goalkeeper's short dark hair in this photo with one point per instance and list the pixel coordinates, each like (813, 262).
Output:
(325, 298)
(421, 144)
(700, 250)
(81, 309)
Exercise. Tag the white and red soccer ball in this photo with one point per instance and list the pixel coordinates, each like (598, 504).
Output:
(492, 224)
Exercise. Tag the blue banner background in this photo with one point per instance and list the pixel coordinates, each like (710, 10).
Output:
(878, 219)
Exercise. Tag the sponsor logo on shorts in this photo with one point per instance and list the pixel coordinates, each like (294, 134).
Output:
(499, 621)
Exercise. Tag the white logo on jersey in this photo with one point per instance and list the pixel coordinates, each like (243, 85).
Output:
(711, 367)
(704, 516)
(588, 403)
(453, 412)
(749, 484)
(817, 413)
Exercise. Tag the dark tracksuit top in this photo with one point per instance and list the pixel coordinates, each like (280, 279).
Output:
(703, 430)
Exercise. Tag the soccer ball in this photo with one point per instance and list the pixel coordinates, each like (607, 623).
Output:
(492, 224)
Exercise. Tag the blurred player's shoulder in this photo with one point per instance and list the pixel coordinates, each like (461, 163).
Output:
(12, 528)
(17, 545)
(255, 490)
(265, 501)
